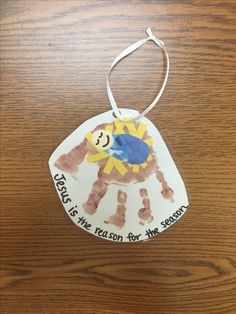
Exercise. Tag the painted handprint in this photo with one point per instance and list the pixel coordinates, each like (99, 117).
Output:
(124, 153)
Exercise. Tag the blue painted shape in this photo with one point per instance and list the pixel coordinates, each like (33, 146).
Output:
(129, 148)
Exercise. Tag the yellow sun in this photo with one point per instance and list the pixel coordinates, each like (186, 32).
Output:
(113, 162)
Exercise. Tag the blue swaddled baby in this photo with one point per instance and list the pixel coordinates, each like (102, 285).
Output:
(128, 148)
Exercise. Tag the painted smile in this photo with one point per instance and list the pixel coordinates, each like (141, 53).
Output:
(108, 141)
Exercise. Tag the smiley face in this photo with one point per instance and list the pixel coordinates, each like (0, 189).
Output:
(102, 139)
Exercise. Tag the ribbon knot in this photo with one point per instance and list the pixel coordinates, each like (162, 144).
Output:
(153, 38)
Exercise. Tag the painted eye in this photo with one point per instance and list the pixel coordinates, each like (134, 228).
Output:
(97, 142)
(101, 134)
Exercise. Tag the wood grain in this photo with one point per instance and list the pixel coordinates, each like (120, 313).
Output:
(54, 59)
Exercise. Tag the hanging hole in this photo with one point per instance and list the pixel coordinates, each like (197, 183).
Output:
(114, 115)
(127, 118)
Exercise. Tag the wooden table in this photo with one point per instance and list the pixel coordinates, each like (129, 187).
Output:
(54, 59)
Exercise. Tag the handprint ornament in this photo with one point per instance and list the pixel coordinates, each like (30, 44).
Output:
(115, 176)
(118, 178)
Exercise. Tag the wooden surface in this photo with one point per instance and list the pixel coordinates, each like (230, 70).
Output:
(54, 59)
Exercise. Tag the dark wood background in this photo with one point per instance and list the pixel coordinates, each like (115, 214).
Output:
(54, 59)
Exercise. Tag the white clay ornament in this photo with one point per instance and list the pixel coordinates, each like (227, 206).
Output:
(115, 176)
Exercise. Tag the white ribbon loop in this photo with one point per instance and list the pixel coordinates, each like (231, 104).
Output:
(124, 54)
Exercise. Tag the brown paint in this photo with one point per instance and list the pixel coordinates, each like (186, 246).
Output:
(118, 219)
(166, 192)
(145, 213)
(143, 192)
(99, 189)
(70, 163)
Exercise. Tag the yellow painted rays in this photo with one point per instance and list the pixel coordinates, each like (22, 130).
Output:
(112, 162)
